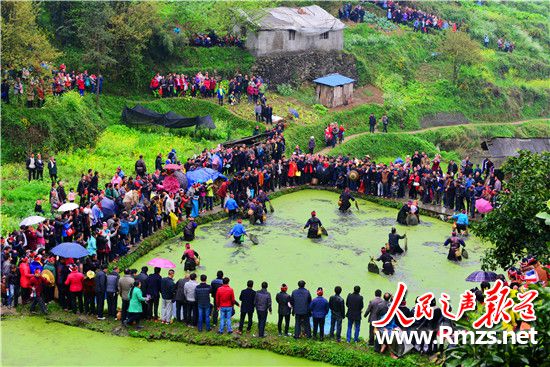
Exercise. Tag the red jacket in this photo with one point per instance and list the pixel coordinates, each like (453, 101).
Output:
(225, 297)
(74, 281)
(25, 271)
(38, 283)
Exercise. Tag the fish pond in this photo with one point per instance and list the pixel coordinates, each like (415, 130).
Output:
(53, 344)
(285, 254)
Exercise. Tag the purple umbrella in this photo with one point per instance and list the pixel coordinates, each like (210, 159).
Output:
(482, 276)
(107, 207)
(69, 250)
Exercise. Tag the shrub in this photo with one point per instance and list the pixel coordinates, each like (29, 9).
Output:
(285, 89)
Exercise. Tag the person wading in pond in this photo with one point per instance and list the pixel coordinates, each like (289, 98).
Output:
(455, 249)
(344, 203)
(393, 241)
(189, 230)
(191, 258)
(314, 226)
(238, 232)
(387, 265)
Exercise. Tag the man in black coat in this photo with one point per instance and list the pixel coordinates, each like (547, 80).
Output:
(39, 163)
(140, 167)
(100, 289)
(355, 305)
(142, 277)
(372, 122)
(247, 305)
(337, 313)
(300, 300)
(283, 300)
(158, 162)
(52, 169)
(153, 290)
(374, 310)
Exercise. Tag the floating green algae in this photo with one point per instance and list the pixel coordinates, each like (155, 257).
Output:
(286, 255)
(32, 341)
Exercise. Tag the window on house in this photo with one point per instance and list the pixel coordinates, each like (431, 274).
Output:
(324, 36)
(291, 35)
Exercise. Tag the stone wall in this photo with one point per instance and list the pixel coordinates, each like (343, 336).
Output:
(443, 119)
(297, 68)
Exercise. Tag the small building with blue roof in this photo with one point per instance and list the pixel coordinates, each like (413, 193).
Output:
(334, 90)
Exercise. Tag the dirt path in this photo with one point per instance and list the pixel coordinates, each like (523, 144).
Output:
(368, 94)
(347, 138)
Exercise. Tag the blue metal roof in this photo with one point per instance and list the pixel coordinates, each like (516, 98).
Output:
(334, 80)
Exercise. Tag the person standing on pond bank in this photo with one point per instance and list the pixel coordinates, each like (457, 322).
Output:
(300, 300)
(283, 310)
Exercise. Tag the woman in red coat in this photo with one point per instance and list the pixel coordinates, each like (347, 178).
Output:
(292, 169)
(74, 281)
(25, 271)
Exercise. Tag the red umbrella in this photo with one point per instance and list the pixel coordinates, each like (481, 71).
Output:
(172, 166)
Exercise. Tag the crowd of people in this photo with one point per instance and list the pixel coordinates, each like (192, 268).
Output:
(88, 287)
(208, 86)
(211, 39)
(418, 19)
(34, 88)
(140, 206)
(353, 13)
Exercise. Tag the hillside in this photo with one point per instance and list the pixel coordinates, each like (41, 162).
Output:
(413, 80)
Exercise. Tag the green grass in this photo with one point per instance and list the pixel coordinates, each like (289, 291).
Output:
(381, 146)
(97, 140)
(451, 142)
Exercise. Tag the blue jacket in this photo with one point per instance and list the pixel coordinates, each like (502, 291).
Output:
(319, 307)
(125, 226)
(231, 204)
(238, 230)
(461, 219)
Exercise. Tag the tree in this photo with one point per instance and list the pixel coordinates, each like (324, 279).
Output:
(513, 227)
(461, 50)
(96, 39)
(131, 29)
(24, 44)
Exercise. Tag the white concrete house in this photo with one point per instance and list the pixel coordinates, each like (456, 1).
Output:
(283, 29)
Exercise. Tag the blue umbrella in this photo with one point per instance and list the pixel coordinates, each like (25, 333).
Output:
(482, 276)
(294, 112)
(107, 207)
(69, 249)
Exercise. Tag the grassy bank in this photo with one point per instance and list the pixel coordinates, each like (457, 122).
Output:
(451, 142)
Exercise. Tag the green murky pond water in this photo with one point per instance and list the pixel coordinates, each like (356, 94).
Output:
(286, 255)
(31, 341)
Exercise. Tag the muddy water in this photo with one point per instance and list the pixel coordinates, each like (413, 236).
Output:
(53, 344)
(286, 255)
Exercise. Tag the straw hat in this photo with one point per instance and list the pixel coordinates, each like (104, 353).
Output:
(90, 274)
